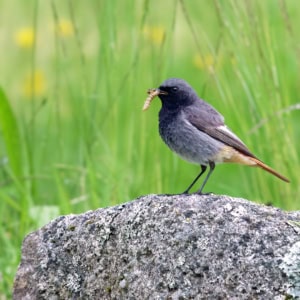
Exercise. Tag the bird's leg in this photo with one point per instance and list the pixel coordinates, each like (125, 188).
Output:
(211, 166)
(203, 169)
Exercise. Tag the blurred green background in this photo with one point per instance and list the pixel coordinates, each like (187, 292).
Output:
(74, 76)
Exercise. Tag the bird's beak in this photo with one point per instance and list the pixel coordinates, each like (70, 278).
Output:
(152, 94)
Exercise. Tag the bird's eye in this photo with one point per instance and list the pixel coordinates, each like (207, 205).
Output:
(174, 89)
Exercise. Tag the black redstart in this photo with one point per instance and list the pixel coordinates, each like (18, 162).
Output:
(196, 131)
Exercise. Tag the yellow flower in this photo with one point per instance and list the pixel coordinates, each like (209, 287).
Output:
(155, 34)
(25, 37)
(34, 84)
(64, 28)
(204, 62)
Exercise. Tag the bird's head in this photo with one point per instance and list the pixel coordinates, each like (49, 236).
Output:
(173, 93)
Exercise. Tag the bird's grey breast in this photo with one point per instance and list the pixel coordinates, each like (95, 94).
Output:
(185, 139)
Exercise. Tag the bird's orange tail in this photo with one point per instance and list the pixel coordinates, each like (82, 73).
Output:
(268, 169)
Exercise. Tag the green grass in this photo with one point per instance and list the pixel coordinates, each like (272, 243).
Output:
(74, 138)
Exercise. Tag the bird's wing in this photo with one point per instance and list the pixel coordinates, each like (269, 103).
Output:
(204, 114)
(212, 123)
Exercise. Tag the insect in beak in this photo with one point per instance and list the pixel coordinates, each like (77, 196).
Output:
(152, 94)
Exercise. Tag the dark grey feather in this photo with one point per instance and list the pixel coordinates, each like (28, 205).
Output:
(211, 122)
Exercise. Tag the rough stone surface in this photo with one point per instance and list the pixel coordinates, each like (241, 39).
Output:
(165, 247)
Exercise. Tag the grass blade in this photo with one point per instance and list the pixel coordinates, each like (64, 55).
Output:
(11, 136)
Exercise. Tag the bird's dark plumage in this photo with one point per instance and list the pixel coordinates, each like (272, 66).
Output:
(196, 131)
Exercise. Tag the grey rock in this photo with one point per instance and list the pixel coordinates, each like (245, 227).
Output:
(165, 247)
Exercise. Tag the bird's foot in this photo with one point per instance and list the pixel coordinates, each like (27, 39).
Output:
(185, 193)
(203, 194)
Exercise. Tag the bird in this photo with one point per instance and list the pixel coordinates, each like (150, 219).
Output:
(196, 131)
